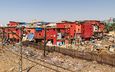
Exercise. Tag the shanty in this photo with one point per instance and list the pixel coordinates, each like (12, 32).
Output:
(60, 44)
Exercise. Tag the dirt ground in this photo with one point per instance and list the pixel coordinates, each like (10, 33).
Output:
(9, 62)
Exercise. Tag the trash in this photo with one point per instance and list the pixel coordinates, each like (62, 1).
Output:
(112, 48)
(24, 37)
(11, 69)
(59, 43)
(49, 43)
(59, 35)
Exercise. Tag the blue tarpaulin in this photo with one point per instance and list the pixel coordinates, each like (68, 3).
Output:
(30, 36)
(38, 29)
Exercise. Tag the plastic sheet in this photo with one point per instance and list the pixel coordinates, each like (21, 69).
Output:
(30, 36)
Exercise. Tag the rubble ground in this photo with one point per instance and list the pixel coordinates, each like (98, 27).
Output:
(9, 62)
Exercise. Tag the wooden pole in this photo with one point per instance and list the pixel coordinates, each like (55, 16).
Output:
(44, 41)
(2, 37)
(20, 64)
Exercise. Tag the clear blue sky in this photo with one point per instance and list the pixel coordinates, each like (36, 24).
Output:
(55, 10)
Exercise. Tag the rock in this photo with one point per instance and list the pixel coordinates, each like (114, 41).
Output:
(11, 69)
(94, 62)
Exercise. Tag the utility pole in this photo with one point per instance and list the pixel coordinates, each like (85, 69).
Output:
(2, 37)
(75, 37)
(44, 40)
(20, 62)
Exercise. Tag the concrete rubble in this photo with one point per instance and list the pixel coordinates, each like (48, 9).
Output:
(65, 61)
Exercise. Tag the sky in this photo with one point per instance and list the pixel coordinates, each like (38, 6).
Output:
(55, 10)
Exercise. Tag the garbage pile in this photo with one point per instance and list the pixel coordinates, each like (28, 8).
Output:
(107, 43)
